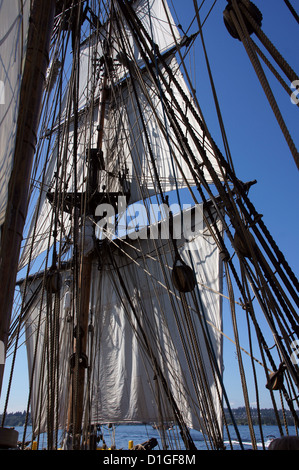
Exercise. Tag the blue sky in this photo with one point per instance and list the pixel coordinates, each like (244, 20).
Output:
(258, 148)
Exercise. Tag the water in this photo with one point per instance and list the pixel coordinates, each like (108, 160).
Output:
(122, 434)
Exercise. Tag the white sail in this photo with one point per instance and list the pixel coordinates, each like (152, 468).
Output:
(139, 143)
(141, 137)
(134, 321)
(157, 20)
(59, 178)
(125, 380)
(14, 18)
(41, 228)
(130, 323)
(42, 361)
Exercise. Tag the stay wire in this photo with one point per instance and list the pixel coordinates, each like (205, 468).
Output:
(292, 10)
(162, 103)
(220, 119)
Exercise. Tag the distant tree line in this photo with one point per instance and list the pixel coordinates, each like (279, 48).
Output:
(15, 419)
(267, 416)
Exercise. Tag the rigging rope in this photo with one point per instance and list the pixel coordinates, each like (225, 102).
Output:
(292, 10)
(220, 119)
(241, 28)
(185, 432)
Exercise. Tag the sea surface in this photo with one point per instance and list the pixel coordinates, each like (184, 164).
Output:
(122, 434)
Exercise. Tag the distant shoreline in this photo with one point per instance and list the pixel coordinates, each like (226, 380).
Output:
(267, 417)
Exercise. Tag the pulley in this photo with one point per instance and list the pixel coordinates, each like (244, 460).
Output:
(275, 381)
(52, 284)
(252, 10)
(241, 244)
(82, 361)
(183, 276)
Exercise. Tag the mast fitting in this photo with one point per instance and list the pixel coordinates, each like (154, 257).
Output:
(252, 10)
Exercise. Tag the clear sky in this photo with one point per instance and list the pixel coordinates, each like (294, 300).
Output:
(258, 148)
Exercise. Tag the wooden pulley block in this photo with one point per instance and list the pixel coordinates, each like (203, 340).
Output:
(275, 381)
(241, 244)
(183, 277)
(253, 11)
(53, 282)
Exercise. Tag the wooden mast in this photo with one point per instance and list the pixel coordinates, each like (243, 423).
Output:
(37, 59)
(79, 358)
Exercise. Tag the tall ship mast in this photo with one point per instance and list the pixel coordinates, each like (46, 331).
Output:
(115, 280)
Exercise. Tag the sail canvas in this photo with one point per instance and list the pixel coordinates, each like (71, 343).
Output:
(135, 314)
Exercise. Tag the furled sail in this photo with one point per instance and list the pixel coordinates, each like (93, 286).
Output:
(141, 329)
(14, 18)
